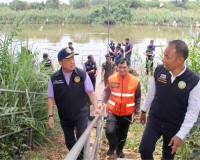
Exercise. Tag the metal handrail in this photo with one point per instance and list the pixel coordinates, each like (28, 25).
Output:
(5, 135)
(16, 91)
(74, 152)
(9, 114)
(96, 146)
(85, 139)
(13, 113)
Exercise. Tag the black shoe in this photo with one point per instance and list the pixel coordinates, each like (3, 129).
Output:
(120, 154)
(110, 152)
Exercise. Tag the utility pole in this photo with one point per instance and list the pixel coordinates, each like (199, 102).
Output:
(108, 25)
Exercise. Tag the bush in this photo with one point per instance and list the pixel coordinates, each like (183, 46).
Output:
(18, 5)
(19, 72)
(136, 4)
(36, 6)
(98, 2)
(192, 5)
(153, 4)
(52, 4)
(119, 14)
(81, 4)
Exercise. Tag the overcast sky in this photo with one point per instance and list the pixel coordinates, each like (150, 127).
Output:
(29, 1)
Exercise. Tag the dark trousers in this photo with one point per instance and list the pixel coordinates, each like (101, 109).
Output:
(128, 56)
(93, 80)
(150, 137)
(117, 130)
(69, 130)
(105, 80)
(112, 56)
(149, 65)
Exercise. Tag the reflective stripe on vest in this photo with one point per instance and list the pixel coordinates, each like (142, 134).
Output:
(123, 95)
(130, 105)
(127, 105)
(111, 102)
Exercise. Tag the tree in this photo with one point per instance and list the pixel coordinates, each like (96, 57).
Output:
(18, 5)
(98, 2)
(80, 3)
(36, 5)
(52, 3)
(2, 4)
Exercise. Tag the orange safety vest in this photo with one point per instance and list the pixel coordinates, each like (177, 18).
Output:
(122, 98)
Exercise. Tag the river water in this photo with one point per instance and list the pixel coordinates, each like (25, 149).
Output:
(93, 39)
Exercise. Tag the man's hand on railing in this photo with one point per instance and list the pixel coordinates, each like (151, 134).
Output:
(51, 123)
(98, 111)
(100, 105)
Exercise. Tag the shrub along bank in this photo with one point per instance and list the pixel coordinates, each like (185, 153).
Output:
(120, 13)
(18, 71)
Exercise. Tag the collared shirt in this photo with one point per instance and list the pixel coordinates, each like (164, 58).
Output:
(128, 46)
(153, 47)
(84, 67)
(118, 55)
(108, 68)
(192, 109)
(112, 47)
(174, 77)
(87, 84)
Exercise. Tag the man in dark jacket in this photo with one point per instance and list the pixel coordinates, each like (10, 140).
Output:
(112, 49)
(68, 88)
(91, 68)
(173, 99)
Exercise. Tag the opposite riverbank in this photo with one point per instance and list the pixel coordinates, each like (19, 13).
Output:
(119, 14)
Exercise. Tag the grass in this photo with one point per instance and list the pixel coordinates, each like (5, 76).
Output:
(19, 71)
(143, 16)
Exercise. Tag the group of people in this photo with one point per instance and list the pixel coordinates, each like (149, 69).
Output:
(172, 102)
(117, 52)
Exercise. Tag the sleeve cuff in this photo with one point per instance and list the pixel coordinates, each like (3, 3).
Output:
(181, 135)
(50, 97)
(144, 110)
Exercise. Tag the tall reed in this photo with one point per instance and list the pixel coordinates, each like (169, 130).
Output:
(19, 71)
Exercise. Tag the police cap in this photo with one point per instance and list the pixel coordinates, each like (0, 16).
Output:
(66, 53)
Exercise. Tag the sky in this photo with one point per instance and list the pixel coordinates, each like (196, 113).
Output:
(29, 1)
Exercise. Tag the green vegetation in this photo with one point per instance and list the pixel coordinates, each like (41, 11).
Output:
(18, 71)
(95, 12)
(192, 144)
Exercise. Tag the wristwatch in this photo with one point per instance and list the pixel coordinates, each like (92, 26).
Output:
(143, 111)
(50, 116)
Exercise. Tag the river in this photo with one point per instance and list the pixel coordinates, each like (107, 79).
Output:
(92, 39)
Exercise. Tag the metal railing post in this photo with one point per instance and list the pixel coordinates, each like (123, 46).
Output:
(97, 137)
(84, 140)
(74, 152)
(97, 142)
(31, 134)
(101, 126)
(87, 148)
